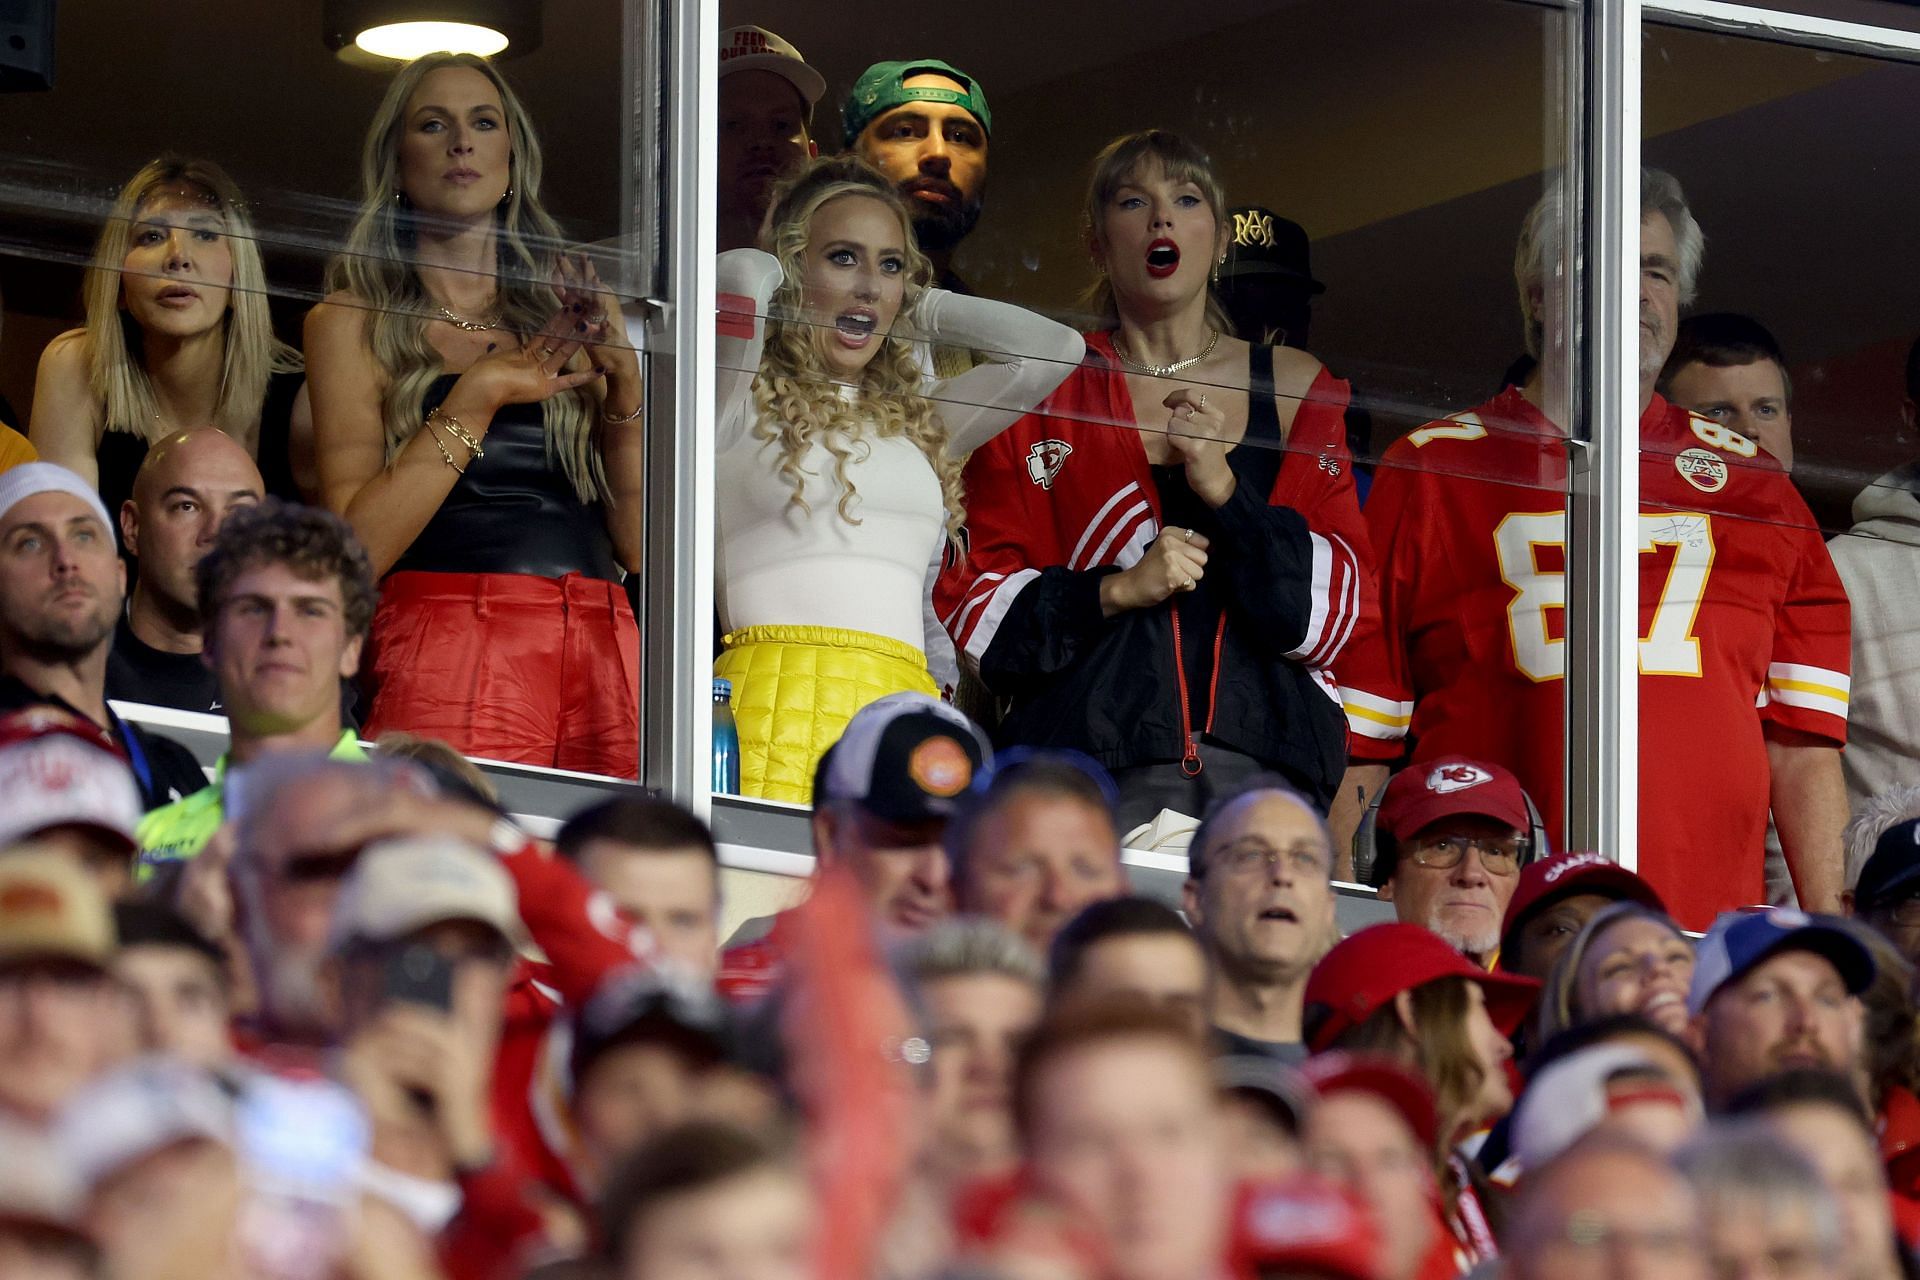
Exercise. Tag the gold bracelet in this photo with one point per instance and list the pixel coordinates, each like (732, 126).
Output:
(445, 453)
(459, 432)
(637, 411)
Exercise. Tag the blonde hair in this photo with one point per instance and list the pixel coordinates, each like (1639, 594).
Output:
(1559, 1007)
(797, 403)
(116, 375)
(1124, 160)
(377, 267)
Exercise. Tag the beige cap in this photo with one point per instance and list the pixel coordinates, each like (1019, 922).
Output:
(51, 908)
(404, 884)
(758, 49)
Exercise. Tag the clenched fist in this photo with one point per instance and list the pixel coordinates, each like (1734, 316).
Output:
(1176, 561)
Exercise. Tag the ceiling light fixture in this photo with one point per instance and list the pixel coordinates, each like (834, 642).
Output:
(382, 32)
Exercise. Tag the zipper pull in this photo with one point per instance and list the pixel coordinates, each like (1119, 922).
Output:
(1190, 764)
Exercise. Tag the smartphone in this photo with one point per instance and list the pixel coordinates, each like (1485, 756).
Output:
(420, 975)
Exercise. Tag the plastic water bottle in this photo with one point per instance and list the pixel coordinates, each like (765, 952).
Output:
(726, 741)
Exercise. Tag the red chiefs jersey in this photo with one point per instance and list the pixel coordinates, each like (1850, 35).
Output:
(1743, 623)
(1067, 494)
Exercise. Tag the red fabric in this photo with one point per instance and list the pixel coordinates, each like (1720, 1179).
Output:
(1303, 1225)
(1740, 609)
(1368, 969)
(496, 1225)
(1898, 1127)
(843, 1030)
(585, 937)
(542, 671)
(1109, 514)
(752, 969)
(1451, 788)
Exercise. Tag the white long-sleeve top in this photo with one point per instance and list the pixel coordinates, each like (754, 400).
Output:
(777, 564)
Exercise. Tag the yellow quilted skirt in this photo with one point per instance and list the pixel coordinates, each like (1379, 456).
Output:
(795, 688)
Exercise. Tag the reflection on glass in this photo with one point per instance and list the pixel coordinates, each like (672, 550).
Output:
(1804, 124)
(476, 410)
(1150, 577)
(839, 458)
(177, 337)
(1743, 625)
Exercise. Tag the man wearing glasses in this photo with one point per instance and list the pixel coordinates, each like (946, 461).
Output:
(1450, 840)
(1259, 893)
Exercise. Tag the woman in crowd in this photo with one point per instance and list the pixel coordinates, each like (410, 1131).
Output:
(1396, 991)
(839, 461)
(1627, 959)
(1162, 562)
(177, 336)
(477, 419)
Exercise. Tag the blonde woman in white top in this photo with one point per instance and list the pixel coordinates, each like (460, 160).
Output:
(838, 467)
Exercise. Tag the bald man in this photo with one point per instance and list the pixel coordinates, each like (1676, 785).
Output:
(186, 487)
(1259, 894)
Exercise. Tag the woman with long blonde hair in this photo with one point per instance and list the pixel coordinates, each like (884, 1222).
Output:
(1164, 563)
(177, 336)
(476, 410)
(838, 466)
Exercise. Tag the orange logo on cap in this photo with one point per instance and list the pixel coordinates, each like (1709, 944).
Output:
(940, 767)
(29, 900)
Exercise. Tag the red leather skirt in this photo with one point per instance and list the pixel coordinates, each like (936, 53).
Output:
(511, 667)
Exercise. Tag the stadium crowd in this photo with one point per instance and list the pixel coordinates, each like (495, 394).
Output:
(997, 599)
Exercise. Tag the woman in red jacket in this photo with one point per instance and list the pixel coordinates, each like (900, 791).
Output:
(1165, 557)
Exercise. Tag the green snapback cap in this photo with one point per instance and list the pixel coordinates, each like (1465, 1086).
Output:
(882, 87)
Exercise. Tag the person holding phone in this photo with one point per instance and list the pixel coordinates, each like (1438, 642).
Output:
(477, 420)
(422, 944)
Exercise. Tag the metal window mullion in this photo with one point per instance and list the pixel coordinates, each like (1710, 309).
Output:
(1603, 608)
(1779, 26)
(680, 46)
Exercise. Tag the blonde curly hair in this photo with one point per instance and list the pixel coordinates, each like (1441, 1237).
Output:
(797, 400)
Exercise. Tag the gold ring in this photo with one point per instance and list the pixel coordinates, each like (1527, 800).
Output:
(546, 353)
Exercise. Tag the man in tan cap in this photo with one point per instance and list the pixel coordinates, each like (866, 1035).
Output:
(423, 945)
(61, 1021)
(767, 92)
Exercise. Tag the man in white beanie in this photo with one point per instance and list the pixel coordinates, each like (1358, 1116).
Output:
(62, 587)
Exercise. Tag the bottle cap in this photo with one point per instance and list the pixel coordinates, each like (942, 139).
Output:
(722, 688)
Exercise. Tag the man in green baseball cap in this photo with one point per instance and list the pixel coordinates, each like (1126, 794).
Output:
(925, 125)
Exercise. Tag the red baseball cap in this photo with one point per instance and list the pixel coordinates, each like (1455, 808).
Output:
(1422, 794)
(1366, 971)
(1547, 881)
(1383, 1078)
(1303, 1224)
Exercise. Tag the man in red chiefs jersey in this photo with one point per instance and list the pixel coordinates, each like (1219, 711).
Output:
(1743, 622)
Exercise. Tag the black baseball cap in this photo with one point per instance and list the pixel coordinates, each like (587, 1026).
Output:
(651, 1005)
(904, 758)
(1892, 872)
(1265, 244)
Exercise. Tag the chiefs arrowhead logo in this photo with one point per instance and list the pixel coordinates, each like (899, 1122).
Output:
(1449, 778)
(1044, 461)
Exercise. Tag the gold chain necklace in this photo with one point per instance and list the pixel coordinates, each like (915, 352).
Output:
(1163, 370)
(471, 326)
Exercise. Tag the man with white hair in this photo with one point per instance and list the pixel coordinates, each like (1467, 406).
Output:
(1744, 626)
(62, 586)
